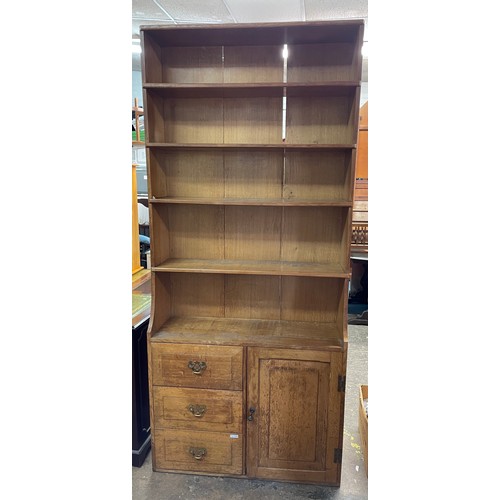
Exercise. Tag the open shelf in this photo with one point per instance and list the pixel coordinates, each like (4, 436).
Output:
(276, 268)
(283, 145)
(267, 202)
(251, 233)
(251, 54)
(296, 176)
(250, 332)
(272, 89)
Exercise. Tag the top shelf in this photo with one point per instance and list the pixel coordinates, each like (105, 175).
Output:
(255, 34)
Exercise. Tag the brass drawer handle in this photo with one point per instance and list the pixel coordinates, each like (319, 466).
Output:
(198, 453)
(197, 366)
(197, 410)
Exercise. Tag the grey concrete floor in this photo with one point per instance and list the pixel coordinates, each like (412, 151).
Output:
(149, 485)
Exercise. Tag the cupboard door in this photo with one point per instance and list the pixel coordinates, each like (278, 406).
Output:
(296, 422)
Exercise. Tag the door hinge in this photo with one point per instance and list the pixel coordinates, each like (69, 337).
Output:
(341, 384)
(337, 456)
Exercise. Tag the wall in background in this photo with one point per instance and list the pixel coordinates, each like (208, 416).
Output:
(137, 86)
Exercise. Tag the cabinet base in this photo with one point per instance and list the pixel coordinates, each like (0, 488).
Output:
(244, 476)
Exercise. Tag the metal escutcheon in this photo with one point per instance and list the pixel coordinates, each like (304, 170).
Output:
(197, 366)
(198, 453)
(197, 410)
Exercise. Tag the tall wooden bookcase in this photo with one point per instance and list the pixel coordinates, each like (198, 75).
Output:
(251, 161)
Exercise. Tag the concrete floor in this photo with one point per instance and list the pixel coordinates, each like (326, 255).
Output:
(149, 485)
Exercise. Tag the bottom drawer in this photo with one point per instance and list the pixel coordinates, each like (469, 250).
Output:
(216, 452)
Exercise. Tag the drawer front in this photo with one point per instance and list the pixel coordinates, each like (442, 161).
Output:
(198, 451)
(198, 366)
(198, 409)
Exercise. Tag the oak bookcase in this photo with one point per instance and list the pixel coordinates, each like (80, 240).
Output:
(251, 161)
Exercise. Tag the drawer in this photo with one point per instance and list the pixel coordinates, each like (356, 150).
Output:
(198, 409)
(197, 366)
(199, 451)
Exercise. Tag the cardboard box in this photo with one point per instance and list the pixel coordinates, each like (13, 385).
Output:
(363, 423)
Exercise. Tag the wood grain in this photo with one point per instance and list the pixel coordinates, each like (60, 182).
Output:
(192, 65)
(187, 174)
(253, 174)
(221, 411)
(321, 62)
(320, 242)
(318, 175)
(250, 332)
(290, 392)
(223, 366)
(259, 202)
(193, 120)
(252, 233)
(195, 232)
(320, 120)
(256, 267)
(253, 64)
(252, 297)
(310, 299)
(254, 120)
(197, 294)
(223, 454)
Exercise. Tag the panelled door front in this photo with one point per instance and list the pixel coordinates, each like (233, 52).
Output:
(294, 414)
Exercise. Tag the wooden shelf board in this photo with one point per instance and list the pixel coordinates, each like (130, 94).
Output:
(252, 89)
(174, 145)
(254, 33)
(269, 268)
(250, 332)
(292, 202)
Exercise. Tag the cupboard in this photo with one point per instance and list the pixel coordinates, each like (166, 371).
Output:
(251, 135)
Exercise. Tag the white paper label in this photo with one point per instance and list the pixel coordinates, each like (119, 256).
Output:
(233, 436)
(145, 177)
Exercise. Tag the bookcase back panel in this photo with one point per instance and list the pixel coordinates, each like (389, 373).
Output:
(253, 297)
(253, 174)
(320, 120)
(193, 120)
(254, 64)
(197, 294)
(256, 120)
(188, 173)
(192, 65)
(322, 241)
(320, 175)
(321, 62)
(287, 298)
(205, 120)
(251, 233)
(310, 299)
(195, 231)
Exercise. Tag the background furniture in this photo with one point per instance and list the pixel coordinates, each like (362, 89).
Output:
(141, 308)
(359, 242)
(251, 137)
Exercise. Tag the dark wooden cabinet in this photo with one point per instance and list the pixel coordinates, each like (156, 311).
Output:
(251, 135)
